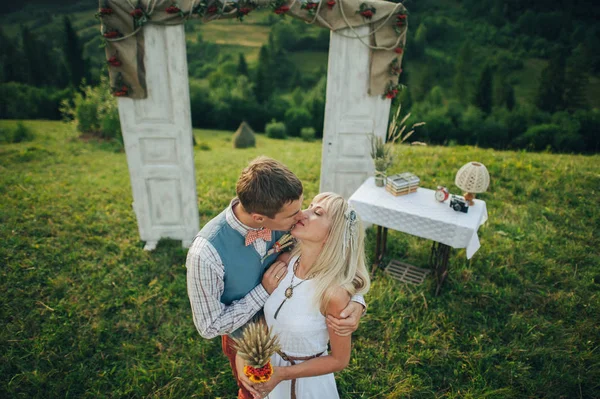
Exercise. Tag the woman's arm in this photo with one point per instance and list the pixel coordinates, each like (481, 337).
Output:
(335, 361)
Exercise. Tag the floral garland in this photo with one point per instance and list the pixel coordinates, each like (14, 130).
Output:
(242, 8)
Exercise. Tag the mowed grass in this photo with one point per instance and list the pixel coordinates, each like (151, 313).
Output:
(232, 31)
(87, 313)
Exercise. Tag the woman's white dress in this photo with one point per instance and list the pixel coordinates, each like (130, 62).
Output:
(302, 332)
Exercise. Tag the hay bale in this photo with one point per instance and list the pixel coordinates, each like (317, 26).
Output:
(244, 137)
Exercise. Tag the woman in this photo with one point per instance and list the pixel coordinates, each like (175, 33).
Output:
(326, 268)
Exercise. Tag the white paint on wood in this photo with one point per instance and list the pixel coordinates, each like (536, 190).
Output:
(351, 114)
(157, 133)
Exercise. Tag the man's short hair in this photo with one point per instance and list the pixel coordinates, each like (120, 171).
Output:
(266, 185)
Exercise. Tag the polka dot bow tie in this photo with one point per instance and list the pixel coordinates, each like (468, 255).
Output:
(254, 235)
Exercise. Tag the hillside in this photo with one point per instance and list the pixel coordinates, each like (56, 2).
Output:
(446, 32)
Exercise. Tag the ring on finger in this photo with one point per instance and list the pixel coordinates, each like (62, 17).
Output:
(277, 277)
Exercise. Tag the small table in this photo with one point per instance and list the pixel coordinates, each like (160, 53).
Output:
(420, 215)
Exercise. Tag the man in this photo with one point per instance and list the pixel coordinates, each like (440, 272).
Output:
(226, 277)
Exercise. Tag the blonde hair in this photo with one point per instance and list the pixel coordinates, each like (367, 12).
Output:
(339, 264)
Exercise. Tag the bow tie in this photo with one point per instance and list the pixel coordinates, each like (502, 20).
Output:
(254, 235)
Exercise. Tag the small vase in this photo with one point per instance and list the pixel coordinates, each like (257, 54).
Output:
(380, 181)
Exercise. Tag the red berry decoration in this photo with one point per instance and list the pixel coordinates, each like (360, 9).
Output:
(105, 11)
(242, 12)
(114, 61)
(310, 7)
(400, 22)
(172, 9)
(281, 10)
(330, 4)
(399, 50)
(111, 34)
(366, 11)
(137, 13)
(395, 68)
(122, 92)
(392, 90)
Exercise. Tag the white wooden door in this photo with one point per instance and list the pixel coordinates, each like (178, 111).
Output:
(350, 115)
(157, 133)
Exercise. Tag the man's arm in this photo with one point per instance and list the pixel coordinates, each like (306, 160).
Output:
(205, 286)
(359, 299)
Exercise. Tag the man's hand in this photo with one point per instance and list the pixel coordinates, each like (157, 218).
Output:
(273, 276)
(348, 321)
(239, 366)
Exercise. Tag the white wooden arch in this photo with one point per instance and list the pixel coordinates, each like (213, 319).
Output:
(157, 132)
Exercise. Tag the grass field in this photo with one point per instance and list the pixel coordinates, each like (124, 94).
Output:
(87, 313)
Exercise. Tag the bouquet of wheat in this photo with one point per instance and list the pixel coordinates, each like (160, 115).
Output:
(255, 347)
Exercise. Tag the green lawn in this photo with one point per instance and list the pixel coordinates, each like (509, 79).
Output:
(87, 313)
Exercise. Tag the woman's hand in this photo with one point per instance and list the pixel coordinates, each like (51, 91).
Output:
(264, 388)
(251, 387)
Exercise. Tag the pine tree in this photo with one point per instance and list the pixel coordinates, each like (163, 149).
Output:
(576, 79)
(281, 69)
(483, 93)
(73, 54)
(505, 94)
(510, 100)
(242, 68)
(36, 65)
(263, 84)
(550, 95)
(12, 60)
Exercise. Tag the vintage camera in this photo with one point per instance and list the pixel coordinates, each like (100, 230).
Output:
(459, 204)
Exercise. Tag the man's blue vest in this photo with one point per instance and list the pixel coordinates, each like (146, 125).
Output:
(243, 265)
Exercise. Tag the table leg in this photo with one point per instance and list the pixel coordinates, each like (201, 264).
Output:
(384, 245)
(380, 244)
(440, 253)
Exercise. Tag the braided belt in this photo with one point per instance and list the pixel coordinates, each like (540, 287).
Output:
(292, 360)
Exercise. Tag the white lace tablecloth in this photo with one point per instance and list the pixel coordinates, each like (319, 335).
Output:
(419, 214)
